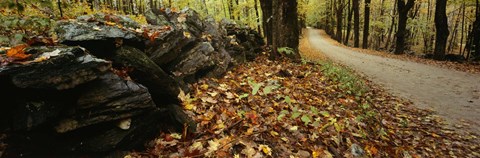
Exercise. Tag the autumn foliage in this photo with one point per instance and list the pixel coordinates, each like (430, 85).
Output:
(280, 109)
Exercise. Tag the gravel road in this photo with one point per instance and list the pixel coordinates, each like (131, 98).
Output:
(454, 95)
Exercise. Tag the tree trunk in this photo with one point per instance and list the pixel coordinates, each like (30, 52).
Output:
(258, 17)
(441, 25)
(267, 11)
(285, 28)
(90, 4)
(59, 3)
(366, 24)
(390, 30)
(238, 9)
(463, 28)
(454, 36)
(356, 23)
(475, 33)
(349, 23)
(339, 12)
(402, 24)
(205, 6)
(224, 8)
(230, 9)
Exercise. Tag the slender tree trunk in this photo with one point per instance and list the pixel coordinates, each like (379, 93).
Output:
(441, 25)
(205, 6)
(230, 9)
(453, 37)
(381, 30)
(339, 12)
(59, 3)
(90, 4)
(468, 44)
(402, 24)
(349, 23)
(225, 8)
(237, 9)
(267, 10)
(356, 23)
(390, 30)
(257, 17)
(132, 10)
(332, 18)
(463, 28)
(366, 25)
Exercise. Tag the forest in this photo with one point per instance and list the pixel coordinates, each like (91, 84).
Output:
(395, 26)
(239, 78)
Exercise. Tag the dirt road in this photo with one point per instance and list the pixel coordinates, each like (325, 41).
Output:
(452, 94)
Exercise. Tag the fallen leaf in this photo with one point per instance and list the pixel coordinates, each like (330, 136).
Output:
(293, 128)
(265, 149)
(18, 52)
(213, 94)
(125, 124)
(212, 146)
(209, 100)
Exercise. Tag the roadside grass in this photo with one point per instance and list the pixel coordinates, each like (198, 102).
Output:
(349, 82)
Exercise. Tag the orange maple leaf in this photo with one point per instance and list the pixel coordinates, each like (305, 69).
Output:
(18, 52)
(153, 36)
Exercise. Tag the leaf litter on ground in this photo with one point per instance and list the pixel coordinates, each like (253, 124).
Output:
(305, 116)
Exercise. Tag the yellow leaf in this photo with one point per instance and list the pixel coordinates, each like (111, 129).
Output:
(176, 135)
(249, 131)
(189, 107)
(273, 133)
(110, 23)
(204, 86)
(265, 149)
(187, 34)
(435, 135)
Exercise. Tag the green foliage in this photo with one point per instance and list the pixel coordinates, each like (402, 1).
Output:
(286, 50)
(349, 82)
(15, 28)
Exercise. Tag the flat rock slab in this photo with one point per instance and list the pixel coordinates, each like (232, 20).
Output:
(56, 67)
(106, 99)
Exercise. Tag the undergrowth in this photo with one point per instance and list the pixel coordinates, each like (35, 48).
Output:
(349, 82)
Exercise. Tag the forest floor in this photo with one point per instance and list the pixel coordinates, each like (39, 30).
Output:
(314, 108)
(454, 95)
